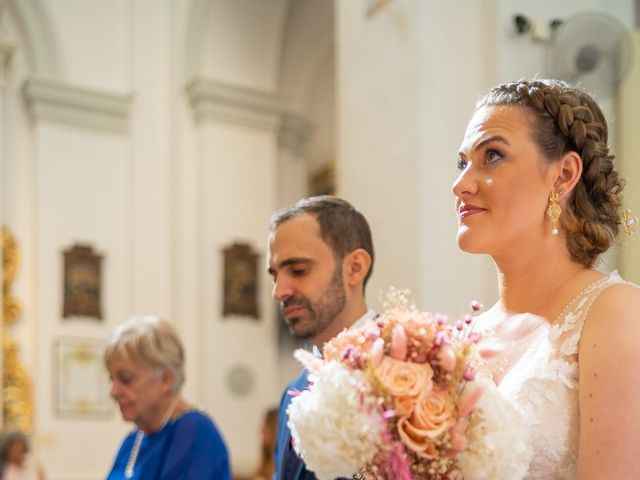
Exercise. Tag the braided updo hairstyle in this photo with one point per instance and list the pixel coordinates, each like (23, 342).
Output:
(564, 119)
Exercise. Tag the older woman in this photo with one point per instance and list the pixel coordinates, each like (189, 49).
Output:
(538, 191)
(172, 439)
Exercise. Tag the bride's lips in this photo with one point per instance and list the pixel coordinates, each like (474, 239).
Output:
(466, 210)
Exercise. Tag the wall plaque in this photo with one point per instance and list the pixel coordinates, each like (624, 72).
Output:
(240, 281)
(82, 283)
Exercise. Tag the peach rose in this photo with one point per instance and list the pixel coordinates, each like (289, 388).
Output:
(403, 406)
(405, 379)
(432, 416)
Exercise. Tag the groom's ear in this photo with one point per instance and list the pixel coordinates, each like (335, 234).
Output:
(355, 266)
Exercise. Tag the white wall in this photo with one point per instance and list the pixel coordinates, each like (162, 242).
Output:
(629, 120)
(401, 116)
(235, 161)
(82, 197)
(94, 38)
(243, 42)
(152, 155)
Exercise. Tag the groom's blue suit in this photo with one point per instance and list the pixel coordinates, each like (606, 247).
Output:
(288, 465)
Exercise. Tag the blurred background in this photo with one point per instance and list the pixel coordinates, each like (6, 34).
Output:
(144, 145)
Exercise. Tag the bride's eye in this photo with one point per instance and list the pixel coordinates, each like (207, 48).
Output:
(492, 156)
(462, 163)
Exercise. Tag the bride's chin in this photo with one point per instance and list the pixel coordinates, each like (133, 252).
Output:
(467, 244)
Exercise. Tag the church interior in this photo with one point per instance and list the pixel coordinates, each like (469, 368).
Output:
(144, 145)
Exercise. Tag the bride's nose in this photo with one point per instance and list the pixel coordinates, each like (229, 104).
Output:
(466, 184)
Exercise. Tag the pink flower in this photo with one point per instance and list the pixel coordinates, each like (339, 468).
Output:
(441, 338)
(469, 375)
(470, 397)
(377, 351)
(459, 440)
(441, 319)
(398, 463)
(398, 343)
(352, 356)
(447, 358)
(306, 358)
(372, 332)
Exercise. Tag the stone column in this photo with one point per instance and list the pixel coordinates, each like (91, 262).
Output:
(6, 50)
(293, 168)
(237, 155)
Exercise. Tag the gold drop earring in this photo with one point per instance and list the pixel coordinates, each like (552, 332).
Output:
(629, 222)
(554, 211)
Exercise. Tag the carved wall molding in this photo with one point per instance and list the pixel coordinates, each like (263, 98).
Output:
(60, 102)
(212, 100)
(215, 100)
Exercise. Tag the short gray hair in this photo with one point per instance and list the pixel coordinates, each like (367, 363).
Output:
(151, 339)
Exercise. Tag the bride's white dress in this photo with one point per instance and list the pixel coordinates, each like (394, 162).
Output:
(542, 379)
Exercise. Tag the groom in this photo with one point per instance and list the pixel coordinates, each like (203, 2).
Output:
(320, 258)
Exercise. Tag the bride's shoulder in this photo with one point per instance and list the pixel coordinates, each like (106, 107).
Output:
(620, 298)
(615, 309)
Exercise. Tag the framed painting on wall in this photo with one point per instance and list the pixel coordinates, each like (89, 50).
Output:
(82, 283)
(240, 281)
(82, 382)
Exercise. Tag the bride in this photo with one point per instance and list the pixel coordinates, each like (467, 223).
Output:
(538, 191)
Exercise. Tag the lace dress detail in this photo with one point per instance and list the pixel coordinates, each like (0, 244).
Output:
(543, 382)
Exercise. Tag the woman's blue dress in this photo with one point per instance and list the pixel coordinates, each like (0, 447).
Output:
(187, 448)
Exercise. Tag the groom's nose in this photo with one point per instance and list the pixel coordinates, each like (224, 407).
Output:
(282, 289)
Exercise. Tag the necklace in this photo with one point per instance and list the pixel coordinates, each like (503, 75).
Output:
(133, 456)
(135, 449)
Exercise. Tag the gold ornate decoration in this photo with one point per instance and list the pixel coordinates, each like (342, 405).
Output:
(17, 408)
(629, 222)
(554, 211)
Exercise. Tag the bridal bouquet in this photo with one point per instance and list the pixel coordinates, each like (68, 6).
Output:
(399, 398)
